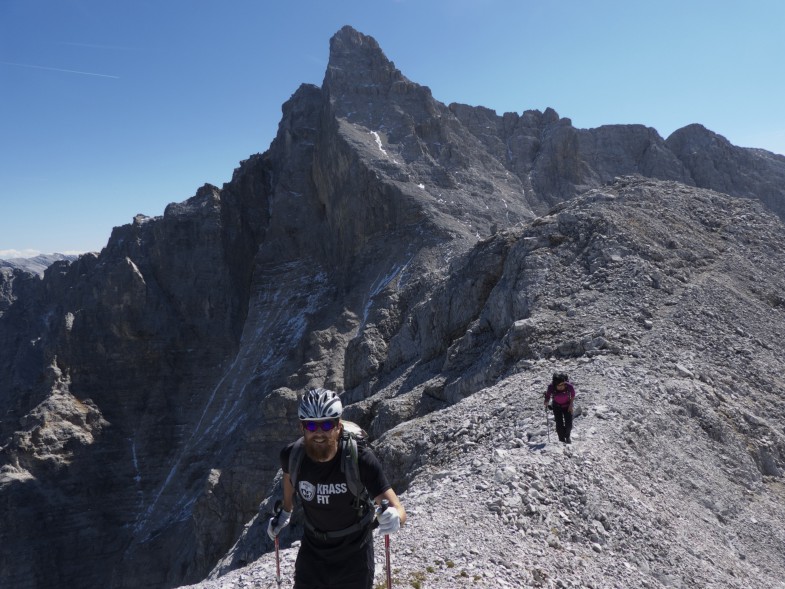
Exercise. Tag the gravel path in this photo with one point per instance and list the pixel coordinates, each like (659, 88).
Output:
(629, 504)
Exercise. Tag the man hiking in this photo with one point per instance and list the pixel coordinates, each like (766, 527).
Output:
(337, 546)
(562, 393)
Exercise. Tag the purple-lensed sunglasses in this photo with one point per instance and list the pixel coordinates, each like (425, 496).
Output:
(326, 426)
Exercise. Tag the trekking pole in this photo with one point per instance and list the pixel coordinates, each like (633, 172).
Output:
(278, 507)
(385, 504)
(548, 424)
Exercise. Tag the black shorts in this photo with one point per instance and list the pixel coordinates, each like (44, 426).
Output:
(346, 569)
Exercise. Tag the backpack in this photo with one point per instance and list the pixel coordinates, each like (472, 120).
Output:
(353, 438)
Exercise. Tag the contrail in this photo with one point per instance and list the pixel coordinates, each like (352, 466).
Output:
(57, 69)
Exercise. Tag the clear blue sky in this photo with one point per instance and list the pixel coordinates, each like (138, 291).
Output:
(111, 108)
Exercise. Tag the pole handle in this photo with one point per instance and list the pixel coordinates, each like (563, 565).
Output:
(383, 505)
(277, 511)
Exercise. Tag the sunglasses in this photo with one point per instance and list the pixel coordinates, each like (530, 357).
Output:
(326, 426)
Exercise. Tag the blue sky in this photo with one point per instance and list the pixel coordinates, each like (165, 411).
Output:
(111, 108)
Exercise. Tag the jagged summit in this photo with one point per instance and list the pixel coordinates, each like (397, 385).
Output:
(416, 143)
(358, 64)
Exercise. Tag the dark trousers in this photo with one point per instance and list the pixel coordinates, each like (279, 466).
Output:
(563, 419)
(342, 570)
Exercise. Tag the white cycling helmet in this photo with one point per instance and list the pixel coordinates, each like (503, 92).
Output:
(319, 405)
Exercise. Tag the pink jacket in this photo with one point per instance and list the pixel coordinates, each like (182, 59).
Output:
(561, 398)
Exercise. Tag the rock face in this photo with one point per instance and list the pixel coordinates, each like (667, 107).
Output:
(16, 273)
(407, 253)
(714, 163)
(556, 161)
(663, 302)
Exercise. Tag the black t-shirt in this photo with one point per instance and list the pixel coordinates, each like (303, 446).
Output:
(327, 501)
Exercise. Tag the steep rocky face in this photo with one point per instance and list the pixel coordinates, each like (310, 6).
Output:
(555, 161)
(11, 281)
(108, 382)
(594, 277)
(415, 142)
(147, 390)
(713, 162)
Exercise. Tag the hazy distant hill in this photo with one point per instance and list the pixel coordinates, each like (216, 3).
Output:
(36, 264)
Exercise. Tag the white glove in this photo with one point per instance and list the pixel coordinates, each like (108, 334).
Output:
(274, 529)
(389, 521)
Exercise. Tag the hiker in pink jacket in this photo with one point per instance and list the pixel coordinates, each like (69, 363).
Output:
(562, 393)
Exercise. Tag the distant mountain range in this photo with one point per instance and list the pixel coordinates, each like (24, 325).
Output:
(36, 264)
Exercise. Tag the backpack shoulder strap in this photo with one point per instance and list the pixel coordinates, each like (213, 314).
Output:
(350, 465)
(295, 461)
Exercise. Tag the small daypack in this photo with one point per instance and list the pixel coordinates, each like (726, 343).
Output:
(352, 439)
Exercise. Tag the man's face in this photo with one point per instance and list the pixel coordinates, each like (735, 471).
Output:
(321, 445)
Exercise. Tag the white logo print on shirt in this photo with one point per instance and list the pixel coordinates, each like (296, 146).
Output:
(307, 491)
(321, 491)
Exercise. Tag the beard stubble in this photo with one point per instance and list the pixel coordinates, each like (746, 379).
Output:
(323, 451)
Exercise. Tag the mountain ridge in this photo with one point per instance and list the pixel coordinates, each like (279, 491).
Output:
(678, 446)
(36, 264)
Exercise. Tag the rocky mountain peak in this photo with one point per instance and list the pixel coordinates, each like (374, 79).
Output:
(696, 136)
(714, 162)
(357, 64)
